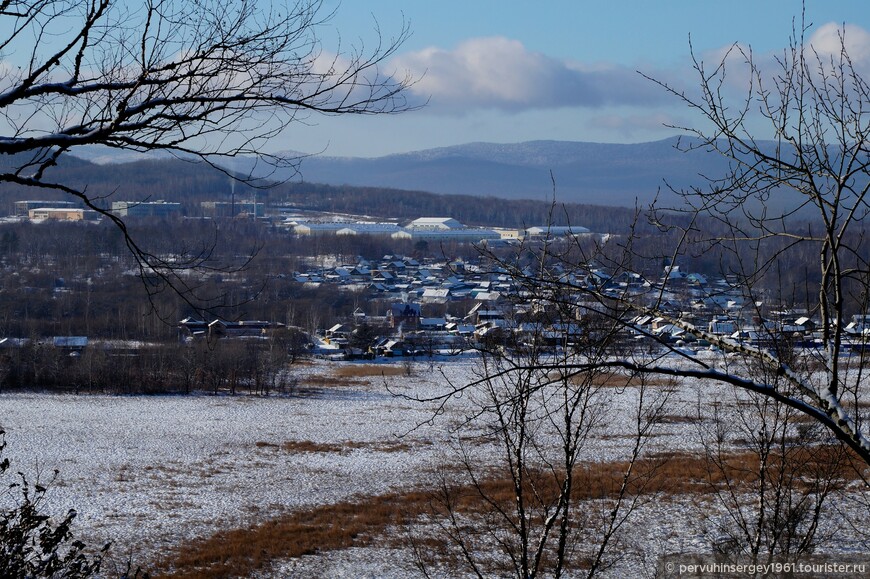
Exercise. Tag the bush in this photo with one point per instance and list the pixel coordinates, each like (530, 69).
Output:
(32, 544)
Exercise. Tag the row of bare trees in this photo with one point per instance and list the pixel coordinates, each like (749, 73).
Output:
(209, 80)
(217, 366)
(205, 80)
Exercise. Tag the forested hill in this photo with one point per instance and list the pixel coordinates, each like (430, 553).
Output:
(398, 204)
(574, 172)
(617, 175)
(163, 179)
(600, 173)
(190, 183)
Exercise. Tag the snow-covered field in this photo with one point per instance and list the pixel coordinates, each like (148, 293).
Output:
(149, 473)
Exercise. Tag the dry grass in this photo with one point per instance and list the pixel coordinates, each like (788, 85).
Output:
(368, 370)
(677, 419)
(349, 376)
(241, 552)
(666, 474)
(298, 446)
(684, 471)
(331, 381)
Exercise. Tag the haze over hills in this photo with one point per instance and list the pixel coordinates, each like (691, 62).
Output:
(609, 174)
(614, 175)
(596, 173)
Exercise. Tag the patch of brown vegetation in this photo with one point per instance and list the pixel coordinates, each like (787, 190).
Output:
(330, 381)
(352, 375)
(667, 474)
(241, 552)
(676, 419)
(368, 370)
(338, 447)
(688, 473)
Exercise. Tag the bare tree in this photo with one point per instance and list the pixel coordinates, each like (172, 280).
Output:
(541, 393)
(797, 202)
(799, 199)
(208, 80)
(772, 475)
(801, 194)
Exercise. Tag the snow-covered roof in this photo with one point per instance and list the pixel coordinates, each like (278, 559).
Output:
(347, 228)
(435, 223)
(70, 341)
(555, 230)
(436, 292)
(446, 234)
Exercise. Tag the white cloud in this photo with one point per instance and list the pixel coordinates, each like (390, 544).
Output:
(826, 43)
(830, 38)
(501, 74)
(498, 72)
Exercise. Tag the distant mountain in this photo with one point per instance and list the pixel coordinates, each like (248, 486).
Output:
(598, 173)
(609, 174)
(463, 180)
(621, 175)
(103, 155)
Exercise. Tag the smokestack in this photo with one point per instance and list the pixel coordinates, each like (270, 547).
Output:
(232, 197)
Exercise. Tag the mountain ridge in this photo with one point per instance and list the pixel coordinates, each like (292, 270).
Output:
(611, 174)
(574, 171)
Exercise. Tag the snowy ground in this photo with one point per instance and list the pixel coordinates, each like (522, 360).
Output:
(151, 472)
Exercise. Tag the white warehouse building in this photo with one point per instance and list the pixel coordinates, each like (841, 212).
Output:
(346, 228)
(436, 223)
(458, 235)
(555, 231)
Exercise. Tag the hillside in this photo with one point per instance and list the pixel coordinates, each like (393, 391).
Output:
(600, 173)
(588, 174)
(615, 175)
(610, 174)
(190, 183)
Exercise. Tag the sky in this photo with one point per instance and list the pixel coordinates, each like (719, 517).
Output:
(511, 71)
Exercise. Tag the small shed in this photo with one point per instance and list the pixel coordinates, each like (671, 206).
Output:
(71, 344)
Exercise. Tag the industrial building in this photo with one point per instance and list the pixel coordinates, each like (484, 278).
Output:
(145, 208)
(22, 208)
(62, 214)
(232, 209)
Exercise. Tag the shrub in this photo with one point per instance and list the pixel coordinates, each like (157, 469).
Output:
(32, 544)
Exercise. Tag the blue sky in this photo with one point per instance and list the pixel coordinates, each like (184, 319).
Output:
(566, 70)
